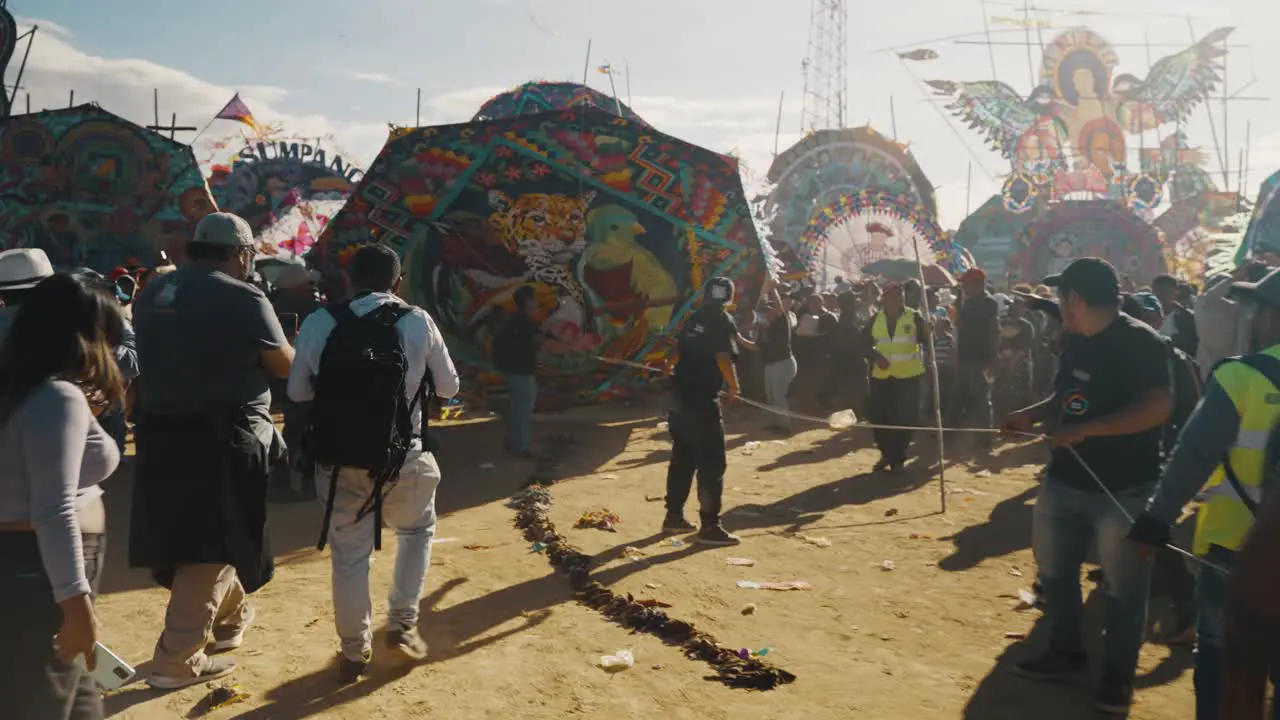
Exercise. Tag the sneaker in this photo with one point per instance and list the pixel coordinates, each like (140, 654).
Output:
(218, 667)
(408, 643)
(1052, 665)
(881, 466)
(229, 638)
(350, 671)
(716, 535)
(1114, 698)
(675, 523)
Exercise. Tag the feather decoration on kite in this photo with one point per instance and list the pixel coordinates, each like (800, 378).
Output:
(1173, 88)
(997, 109)
(920, 54)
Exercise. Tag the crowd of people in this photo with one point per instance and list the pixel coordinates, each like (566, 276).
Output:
(196, 384)
(1150, 397)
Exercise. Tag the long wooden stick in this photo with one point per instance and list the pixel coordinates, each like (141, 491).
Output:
(937, 384)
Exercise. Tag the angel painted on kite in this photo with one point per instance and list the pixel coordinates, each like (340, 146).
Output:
(1079, 115)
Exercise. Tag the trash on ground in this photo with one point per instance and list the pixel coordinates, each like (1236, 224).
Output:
(477, 547)
(652, 603)
(1015, 636)
(891, 512)
(842, 420)
(815, 541)
(662, 426)
(609, 476)
(744, 562)
(1026, 600)
(752, 445)
(887, 565)
(537, 547)
(781, 586)
(673, 542)
(620, 660)
(652, 586)
(749, 609)
(633, 553)
(219, 696)
(1015, 572)
(983, 474)
(443, 540)
(599, 519)
(920, 536)
(654, 498)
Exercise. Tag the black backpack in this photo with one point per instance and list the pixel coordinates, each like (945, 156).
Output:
(1187, 389)
(360, 417)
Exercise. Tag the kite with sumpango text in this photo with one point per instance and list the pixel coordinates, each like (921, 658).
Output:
(614, 226)
(94, 190)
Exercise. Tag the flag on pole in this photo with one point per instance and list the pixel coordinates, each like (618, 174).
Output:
(606, 69)
(236, 110)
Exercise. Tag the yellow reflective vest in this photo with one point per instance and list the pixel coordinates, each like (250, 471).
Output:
(1224, 519)
(902, 348)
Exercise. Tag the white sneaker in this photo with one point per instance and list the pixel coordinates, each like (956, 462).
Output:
(219, 667)
(233, 641)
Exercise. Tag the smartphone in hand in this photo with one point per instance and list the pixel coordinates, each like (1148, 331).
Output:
(110, 672)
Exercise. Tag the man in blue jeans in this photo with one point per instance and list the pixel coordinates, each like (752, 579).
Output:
(515, 355)
(1111, 398)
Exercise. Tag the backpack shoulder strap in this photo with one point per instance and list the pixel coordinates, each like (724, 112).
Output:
(341, 312)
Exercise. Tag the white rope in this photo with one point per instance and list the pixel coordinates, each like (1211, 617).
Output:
(872, 426)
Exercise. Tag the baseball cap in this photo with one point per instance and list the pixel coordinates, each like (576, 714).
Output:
(1093, 279)
(23, 268)
(225, 229)
(1264, 292)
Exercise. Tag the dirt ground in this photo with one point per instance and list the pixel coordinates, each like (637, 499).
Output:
(933, 637)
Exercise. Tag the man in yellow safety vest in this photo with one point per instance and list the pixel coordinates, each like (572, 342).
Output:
(1226, 442)
(898, 336)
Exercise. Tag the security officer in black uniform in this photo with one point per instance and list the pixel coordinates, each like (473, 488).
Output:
(703, 362)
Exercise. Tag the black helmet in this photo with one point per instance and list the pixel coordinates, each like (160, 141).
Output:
(718, 291)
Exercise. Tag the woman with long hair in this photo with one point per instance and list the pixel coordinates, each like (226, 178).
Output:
(57, 372)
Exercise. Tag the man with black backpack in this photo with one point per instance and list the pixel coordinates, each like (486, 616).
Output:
(368, 366)
(1225, 442)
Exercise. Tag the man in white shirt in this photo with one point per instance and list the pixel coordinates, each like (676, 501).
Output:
(409, 506)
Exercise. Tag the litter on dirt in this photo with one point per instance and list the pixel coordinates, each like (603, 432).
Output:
(891, 512)
(633, 553)
(537, 547)
(743, 562)
(653, 603)
(654, 498)
(599, 519)
(673, 542)
(1026, 600)
(477, 547)
(749, 609)
(220, 695)
(620, 660)
(443, 540)
(780, 586)
(815, 541)
(887, 565)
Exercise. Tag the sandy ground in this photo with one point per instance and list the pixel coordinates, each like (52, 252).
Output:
(935, 637)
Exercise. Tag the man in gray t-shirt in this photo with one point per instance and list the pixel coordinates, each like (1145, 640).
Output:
(210, 342)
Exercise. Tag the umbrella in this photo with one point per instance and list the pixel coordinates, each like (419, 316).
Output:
(903, 269)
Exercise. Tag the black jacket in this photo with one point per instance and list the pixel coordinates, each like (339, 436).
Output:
(200, 497)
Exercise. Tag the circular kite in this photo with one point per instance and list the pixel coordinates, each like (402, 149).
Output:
(1097, 228)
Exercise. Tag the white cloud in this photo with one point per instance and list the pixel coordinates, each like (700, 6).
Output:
(47, 26)
(377, 78)
(125, 87)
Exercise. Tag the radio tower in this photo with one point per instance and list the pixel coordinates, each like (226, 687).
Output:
(825, 84)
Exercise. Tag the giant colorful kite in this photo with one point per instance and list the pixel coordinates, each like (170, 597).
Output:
(1088, 228)
(1262, 239)
(614, 225)
(286, 187)
(94, 190)
(842, 199)
(539, 97)
(1070, 133)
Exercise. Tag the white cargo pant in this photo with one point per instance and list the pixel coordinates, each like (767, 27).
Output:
(409, 509)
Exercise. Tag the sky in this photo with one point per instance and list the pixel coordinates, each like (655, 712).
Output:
(707, 71)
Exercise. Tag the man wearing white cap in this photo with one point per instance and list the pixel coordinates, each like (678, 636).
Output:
(20, 271)
(205, 445)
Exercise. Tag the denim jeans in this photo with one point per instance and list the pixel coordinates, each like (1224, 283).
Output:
(1211, 600)
(524, 394)
(777, 383)
(33, 682)
(1065, 522)
(408, 508)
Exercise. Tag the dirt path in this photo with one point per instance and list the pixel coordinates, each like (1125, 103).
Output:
(932, 638)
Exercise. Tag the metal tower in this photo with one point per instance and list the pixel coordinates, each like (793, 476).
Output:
(826, 86)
